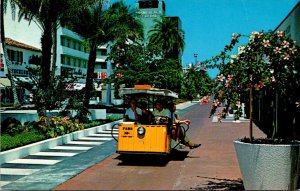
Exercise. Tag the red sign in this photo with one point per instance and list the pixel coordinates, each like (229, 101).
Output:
(103, 75)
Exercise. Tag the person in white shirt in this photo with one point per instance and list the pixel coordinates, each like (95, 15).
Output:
(133, 113)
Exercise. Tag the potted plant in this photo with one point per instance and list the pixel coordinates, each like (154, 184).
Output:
(265, 74)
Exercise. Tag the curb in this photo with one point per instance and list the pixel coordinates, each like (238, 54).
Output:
(26, 150)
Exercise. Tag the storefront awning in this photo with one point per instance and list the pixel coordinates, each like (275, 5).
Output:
(4, 82)
(79, 86)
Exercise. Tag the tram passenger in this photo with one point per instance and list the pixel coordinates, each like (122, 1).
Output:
(177, 131)
(147, 116)
(161, 114)
(133, 113)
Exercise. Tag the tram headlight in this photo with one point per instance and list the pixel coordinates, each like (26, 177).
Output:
(141, 131)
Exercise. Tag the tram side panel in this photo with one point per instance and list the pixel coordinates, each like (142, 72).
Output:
(154, 139)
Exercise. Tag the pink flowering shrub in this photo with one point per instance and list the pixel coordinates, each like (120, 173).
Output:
(269, 64)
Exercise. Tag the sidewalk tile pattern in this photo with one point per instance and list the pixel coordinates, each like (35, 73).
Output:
(15, 170)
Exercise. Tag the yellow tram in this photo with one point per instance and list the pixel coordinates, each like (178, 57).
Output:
(135, 138)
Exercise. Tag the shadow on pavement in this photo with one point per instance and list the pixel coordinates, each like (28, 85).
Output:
(142, 160)
(221, 184)
(178, 155)
(150, 160)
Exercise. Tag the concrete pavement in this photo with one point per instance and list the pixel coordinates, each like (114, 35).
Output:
(219, 167)
(213, 166)
(48, 168)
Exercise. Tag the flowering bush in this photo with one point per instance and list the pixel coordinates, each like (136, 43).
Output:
(56, 126)
(269, 64)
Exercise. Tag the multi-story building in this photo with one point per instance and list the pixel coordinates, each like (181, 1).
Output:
(148, 11)
(71, 54)
(291, 24)
(24, 38)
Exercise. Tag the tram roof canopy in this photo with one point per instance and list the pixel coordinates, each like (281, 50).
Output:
(148, 91)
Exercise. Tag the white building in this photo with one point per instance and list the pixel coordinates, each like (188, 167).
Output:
(71, 53)
(22, 56)
(291, 24)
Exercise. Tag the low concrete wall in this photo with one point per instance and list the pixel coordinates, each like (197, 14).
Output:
(24, 151)
(31, 115)
(97, 114)
(22, 116)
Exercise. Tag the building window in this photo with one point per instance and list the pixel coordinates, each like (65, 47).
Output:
(68, 60)
(68, 43)
(62, 41)
(103, 65)
(101, 52)
(148, 4)
(62, 59)
(16, 57)
(72, 43)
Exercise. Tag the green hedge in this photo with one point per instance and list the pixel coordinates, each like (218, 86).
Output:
(10, 142)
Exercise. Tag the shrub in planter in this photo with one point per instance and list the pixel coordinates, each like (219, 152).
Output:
(267, 71)
(56, 126)
(10, 142)
(12, 126)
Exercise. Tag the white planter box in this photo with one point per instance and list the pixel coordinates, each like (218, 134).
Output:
(26, 150)
(117, 101)
(97, 114)
(269, 167)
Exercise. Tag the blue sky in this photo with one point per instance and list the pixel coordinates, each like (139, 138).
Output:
(209, 24)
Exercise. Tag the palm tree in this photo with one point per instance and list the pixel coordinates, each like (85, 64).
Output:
(47, 14)
(2, 43)
(100, 27)
(167, 35)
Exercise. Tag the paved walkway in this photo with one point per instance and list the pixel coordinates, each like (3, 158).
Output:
(46, 169)
(219, 167)
(213, 166)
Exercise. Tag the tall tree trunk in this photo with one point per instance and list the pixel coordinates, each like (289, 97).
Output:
(89, 75)
(54, 51)
(46, 42)
(7, 61)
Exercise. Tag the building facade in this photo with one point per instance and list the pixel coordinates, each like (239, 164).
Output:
(291, 24)
(147, 11)
(23, 46)
(22, 56)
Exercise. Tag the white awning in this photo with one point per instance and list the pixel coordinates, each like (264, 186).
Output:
(79, 86)
(5, 82)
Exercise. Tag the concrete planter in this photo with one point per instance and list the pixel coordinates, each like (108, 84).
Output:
(117, 101)
(269, 167)
(26, 150)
